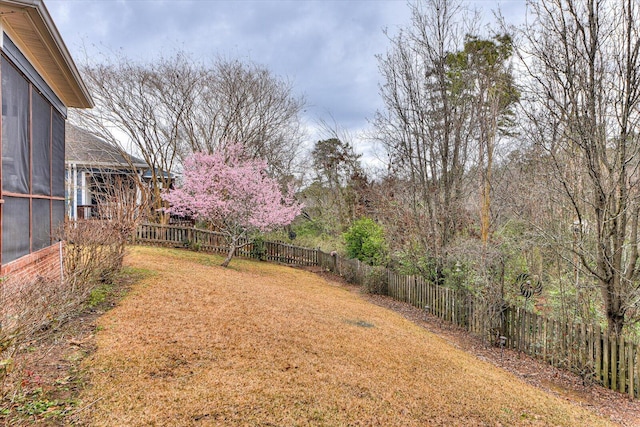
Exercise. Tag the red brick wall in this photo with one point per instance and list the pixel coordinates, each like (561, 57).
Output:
(43, 263)
(31, 291)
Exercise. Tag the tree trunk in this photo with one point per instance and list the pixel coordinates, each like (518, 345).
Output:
(232, 250)
(615, 316)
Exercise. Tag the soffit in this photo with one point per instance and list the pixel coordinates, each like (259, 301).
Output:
(29, 25)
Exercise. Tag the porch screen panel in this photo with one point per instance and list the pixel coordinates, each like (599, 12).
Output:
(58, 169)
(15, 130)
(41, 225)
(15, 231)
(41, 144)
(57, 219)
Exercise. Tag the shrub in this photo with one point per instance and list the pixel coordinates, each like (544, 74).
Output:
(29, 307)
(415, 260)
(348, 270)
(376, 281)
(258, 249)
(365, 241)
(94, 253)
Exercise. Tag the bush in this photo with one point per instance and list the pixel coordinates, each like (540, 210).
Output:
(94, 253)
(258, 250)
(377, 281)
(365, 241)
(348, 270)
(29, 307)
(415, 260)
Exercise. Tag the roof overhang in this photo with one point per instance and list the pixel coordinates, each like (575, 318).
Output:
(30, 27)
(106, 165)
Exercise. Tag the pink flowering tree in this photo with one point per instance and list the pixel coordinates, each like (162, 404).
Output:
(232, 193)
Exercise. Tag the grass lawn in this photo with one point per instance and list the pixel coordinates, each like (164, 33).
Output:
(265, 345)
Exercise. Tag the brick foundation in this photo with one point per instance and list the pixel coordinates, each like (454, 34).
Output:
(32, 291)
(43, 263)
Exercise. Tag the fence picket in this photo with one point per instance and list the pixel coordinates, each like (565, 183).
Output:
(557, 350)
(598, 367)
(622, 374)
(547, 338)
(630, 371)
(613, 345)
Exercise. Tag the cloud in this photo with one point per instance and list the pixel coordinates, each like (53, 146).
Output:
(327, 48)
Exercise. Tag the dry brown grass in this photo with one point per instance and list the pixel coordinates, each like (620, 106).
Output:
(265, 345)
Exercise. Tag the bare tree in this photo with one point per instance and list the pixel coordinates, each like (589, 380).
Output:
(167, 108)
(583, 109)
(246, 103)
(425, 127)
(141, 108)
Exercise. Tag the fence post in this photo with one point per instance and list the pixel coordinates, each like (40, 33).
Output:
(545, 347)
(598, 362)
(606, 356)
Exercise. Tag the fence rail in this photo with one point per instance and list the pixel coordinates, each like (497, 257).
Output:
(586, 350)
(210, 241)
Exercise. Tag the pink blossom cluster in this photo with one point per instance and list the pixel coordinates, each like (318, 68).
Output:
(232, 192)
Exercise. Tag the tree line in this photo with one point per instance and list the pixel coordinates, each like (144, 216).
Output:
(511, 151)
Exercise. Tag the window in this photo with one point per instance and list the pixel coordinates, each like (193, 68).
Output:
(32, 161)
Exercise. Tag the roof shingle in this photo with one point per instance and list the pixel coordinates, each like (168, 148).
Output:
(87, 149)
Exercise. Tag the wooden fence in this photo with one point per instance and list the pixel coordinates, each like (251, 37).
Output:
(209, 241)
(586, 350)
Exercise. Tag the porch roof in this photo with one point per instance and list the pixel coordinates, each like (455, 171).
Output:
(86, 149)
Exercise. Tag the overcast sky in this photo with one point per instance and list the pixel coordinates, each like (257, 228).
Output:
(326, 48)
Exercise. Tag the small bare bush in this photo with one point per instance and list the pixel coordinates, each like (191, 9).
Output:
(348, 269)
(376, 281)
(27, 307)
(96, 248)
(93, 254)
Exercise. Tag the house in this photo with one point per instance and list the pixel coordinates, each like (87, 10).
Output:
(94, 168)
(39, 82)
